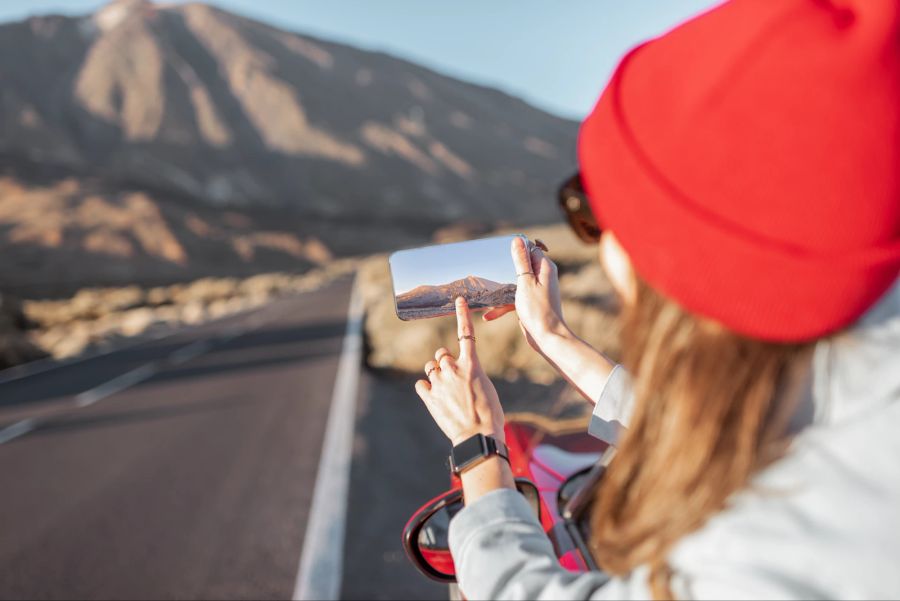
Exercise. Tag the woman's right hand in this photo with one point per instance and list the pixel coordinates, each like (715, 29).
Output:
(538, 301)
(539, 306)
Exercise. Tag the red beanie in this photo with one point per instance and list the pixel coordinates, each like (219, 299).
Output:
(749, 163)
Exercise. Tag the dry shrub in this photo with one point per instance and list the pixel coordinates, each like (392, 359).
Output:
(101, 317)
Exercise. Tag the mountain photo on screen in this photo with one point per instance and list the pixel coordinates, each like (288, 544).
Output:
(428, 280)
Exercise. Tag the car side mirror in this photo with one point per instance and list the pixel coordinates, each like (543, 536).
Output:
(426, 537)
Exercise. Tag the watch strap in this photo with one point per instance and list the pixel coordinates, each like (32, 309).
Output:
(475, 450)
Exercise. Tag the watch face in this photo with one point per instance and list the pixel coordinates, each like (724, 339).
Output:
(468, 451)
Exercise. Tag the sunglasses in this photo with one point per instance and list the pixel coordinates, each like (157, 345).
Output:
(574, 203)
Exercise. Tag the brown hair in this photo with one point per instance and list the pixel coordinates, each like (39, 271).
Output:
(704, 421)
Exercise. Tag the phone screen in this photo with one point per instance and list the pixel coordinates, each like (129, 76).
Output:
(428, 280)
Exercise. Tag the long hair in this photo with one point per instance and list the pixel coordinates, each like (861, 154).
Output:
(704, 422)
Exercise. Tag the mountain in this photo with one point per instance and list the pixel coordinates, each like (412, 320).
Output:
(480, 292)
(200, 112)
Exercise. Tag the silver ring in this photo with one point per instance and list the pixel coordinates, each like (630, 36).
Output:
(518, 275)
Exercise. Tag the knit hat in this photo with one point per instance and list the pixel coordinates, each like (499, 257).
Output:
(749, 163)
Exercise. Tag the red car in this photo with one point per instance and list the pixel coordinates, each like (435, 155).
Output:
(556, 471)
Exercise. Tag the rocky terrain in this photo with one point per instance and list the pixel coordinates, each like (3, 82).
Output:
(469, 286)
(158, 143)
(16, 346)
(102, 318)
(59, 236)
(424, 301)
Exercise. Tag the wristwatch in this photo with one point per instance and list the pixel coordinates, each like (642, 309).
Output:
(474, 450)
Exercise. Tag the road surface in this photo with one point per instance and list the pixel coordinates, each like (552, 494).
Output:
(182, 467)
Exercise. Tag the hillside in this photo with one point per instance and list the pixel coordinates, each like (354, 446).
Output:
(479, 292)
(166, 142)
(469, 286)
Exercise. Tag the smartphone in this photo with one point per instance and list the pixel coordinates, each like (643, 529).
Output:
(427, 280)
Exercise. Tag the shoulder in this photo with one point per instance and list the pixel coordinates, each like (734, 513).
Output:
(821, 522)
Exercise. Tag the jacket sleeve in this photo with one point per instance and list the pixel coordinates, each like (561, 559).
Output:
(614, 406)
(501, 552)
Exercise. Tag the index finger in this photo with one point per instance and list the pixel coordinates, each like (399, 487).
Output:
(464, 330)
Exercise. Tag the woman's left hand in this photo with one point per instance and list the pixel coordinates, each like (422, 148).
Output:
(457, 392)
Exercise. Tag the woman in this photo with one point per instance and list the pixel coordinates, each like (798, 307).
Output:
(745, 169)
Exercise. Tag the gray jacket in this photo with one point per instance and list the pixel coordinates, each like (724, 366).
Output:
(823, 522)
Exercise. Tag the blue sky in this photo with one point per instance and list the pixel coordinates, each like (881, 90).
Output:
(555, 54)
(489, 258)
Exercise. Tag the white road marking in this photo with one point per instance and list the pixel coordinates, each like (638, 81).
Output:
(186, 353)
(230, 334)
(39, 366)
(321, 569)
(117, 384)
(17, 429)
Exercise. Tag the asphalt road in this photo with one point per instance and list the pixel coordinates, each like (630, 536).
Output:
(181, 467)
